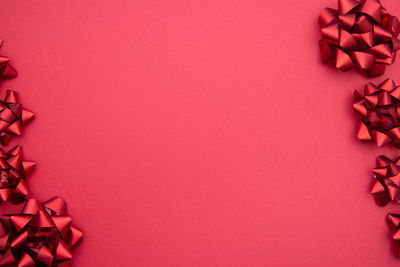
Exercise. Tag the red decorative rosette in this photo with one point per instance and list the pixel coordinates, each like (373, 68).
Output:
(386, 184)
(6, 70)
(41, 235)
(360, 34)
(379, 112)
(12, 117)
(13, 171)
(393, 221)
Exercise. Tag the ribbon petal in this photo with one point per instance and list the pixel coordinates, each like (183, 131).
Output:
(347, 5)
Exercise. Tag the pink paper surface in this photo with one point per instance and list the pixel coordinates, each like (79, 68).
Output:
(196, 133)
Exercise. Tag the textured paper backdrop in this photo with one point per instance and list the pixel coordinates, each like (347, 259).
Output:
(196, 133)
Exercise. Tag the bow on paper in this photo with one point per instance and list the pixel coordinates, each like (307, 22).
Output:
(13, 171)
(393, 221)
(12, 117)
(379, 112)
(360, 34)
(41, 235)
(6, 70)
(386, 184)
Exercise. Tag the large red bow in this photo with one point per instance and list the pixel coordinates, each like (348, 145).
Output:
(360, 34)
(42, 235)
(379, 112)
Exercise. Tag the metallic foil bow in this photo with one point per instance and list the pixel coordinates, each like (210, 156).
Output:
(386, 184)
(361, 34)
(13, 171)
(6, 70)
(12, 117)
(378, 111)
(41, 235)
(393, 221)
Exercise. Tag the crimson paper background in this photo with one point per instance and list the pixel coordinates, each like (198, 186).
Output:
(196, 133)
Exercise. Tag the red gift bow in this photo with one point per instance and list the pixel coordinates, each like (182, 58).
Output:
(360, 34)
(12, 117)
(393, 221)
(379, 112)
(386, 184)
(13, 171)
(6, 70)
(41, 235)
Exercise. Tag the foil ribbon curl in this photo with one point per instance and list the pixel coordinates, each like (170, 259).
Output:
(359, 34)
(7, 71)
(12, 117)
(386, 184)
(42, 235)
(13, 172)
(393, 220)
(379, 113)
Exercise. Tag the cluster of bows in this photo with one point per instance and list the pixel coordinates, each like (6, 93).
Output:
(386, 184)
(379, 112)
(42, 235)
(12, 117)
(13, 171)
(360, 34)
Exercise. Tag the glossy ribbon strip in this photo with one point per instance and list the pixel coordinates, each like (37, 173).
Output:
(360, 34)
(13, 171)
(12, 117)
(378, 110)
(6, 70)
(41, 235)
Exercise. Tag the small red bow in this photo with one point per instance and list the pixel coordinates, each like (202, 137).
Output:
(386, 184)
(6, 70)
(13, 171)
(393, 221)
(379, 112)
(12, 117)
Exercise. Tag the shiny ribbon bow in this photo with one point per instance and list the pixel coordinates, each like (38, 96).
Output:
(361, 34)
(379, 113)
(41, 235)
(393, 221)
(6, 70)
(12, 117)
(13, 171)
(386, 184)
